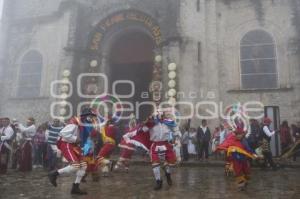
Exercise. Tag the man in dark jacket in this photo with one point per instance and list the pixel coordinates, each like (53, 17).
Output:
(203, 139)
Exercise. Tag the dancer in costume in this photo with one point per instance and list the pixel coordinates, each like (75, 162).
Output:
(88, 143)
(134, 137)
(235, 117)
(228, 170)
(108, 134)
(238, 153)
(90, 151)
(70, 139)
(162, 133)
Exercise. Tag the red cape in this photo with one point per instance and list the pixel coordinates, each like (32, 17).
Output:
(232, 145)
(141, 139)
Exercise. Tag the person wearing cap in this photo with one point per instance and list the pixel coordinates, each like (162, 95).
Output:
(108, 134)
(6, 136)
(27, 133)
(239, 153)
(71, 140)
(266, 135)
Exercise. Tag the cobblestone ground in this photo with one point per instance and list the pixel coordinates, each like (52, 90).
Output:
(190, 182)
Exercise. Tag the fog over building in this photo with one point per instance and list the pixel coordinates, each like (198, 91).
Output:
(225, 51)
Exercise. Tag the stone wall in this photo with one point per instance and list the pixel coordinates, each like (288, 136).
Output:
(219, 27)
(48, 35)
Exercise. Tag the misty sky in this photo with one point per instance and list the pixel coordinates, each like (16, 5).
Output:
(1, 6)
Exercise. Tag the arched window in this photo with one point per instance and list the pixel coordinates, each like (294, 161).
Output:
(258, 61)
(30, 75)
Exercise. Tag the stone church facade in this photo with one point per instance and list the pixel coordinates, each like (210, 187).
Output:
(224, 51)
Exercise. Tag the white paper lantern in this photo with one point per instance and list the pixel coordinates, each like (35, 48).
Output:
(172, 75)
(156, 98)
(65, 79)
(158, 58)
(172, 100)
(172, 67)
(66, 73)
(94, 63)
(65, 88)
(63, 103)
(64, 96)
(172, 83)
(172, 92)
(63, 111)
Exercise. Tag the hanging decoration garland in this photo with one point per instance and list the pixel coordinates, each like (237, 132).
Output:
(172, 83)
(156, 85)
